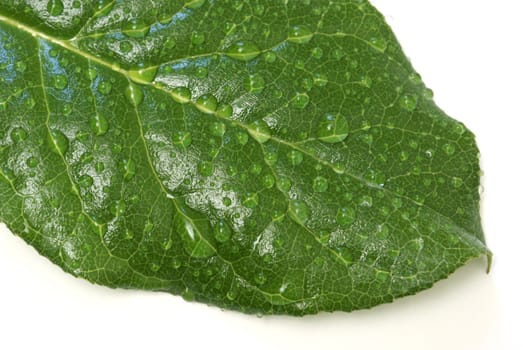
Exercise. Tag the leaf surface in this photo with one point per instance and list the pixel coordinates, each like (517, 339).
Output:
(263, 156)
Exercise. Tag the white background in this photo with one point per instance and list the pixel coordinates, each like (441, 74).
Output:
(470, 53)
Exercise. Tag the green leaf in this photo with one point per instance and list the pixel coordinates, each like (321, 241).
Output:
(263, 156)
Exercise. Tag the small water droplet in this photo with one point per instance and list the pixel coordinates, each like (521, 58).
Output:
(20, 66)
(217, 129)
(320, 184)
(332, 128)
(125, 46)
(243, 51)
(205, 168)
(188, 295)
(295, 157)
(58, 142)
(242, 138)
(99, 124)
(128, 168)
(224, 111)
(222, 231)
(182, 139)
(345, 216)
(300, 34)
(18, 135)
(409, 102)
(270, 57)
(320, 79)
(117, 208)
(85, 181)
(105, 87)
(134, 94)
(55, 7)
(259, 130)
(457, 182)
(268, 181)
(378, 43)
(317, 53)
(254, 83)
(449, 149)
(299, 211)
(301, 100)
(226, 201)
(250, 200)
(60, 81)
(181, 94)
(415, 78)
(206, 103)
(283, 183)
(197, 38)
(32, 162)
(135, 29)
(201, 72)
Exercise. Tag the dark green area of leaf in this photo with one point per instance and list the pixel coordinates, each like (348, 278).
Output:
(262, 156)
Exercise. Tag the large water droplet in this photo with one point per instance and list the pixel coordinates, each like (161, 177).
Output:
(55, 7)
(259, 130)
(300, 34)
(58, 142)
(206, 103)
(345, 216)
(222, 231)
(243, 51)
(332, 128)
(299, 211)
(99, 124)
(134, 94)
(254, 83)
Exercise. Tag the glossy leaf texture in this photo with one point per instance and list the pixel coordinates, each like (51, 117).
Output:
(272, 157)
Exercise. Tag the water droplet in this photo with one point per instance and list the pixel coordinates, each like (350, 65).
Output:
(125, 46)
(128, 168)
(226, 201)
(145, 75)
(188, 295)
(270, 57)
(332, 128)
(259, 130)
(254, 83)
(85, 181)
(268, 181)
(415, 78)
(55, 7)
(295, 157)
(299, 211)
(99, 124)
(317, 53)
(182, 139)
(60, 81)
(242, 138)
(18, 135)
(222, 231)
(206, 103)
(320, 79)
(260, 278)
(366, 201)
(217, 129)
(135, 29)
(283, 183)
(320, 184)
(243, 51)
(409, 102)
(449, 149)
(117, 208)
(457, 182)
(194, 4)
(270, 157)
(181, 94)
(250, 200)
(345, 216)
(197, 38)
(20, 66)
(134, 94)
(301, 100)
(201, 72)
(104, 87)
(378, 43)
(231, 295)
(32, 162)
(224, 111)
(205, 168)
(58, 142)
(300, 34)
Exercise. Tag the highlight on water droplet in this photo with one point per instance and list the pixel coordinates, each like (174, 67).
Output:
(243, 51)
(259, 130)
(300, 34)
(332, 128)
